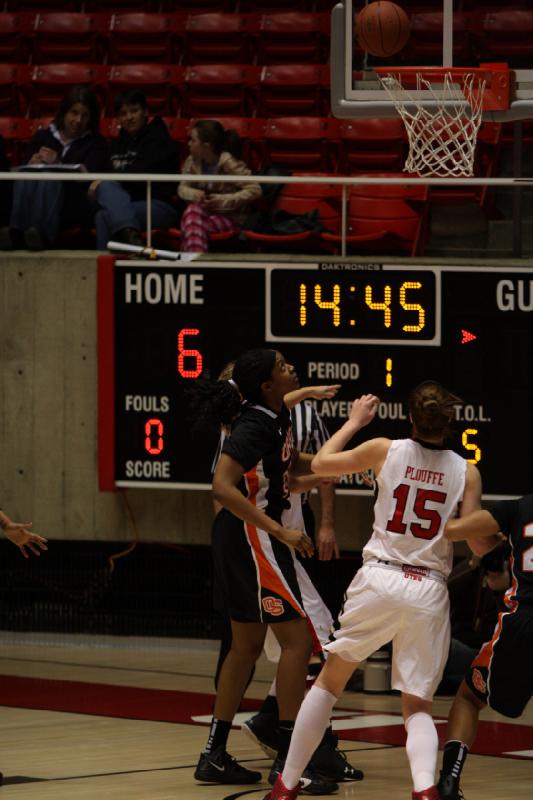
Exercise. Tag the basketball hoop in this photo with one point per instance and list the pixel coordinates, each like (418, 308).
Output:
(442, 124)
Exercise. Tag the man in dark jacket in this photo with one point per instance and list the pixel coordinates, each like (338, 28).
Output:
(146, 147)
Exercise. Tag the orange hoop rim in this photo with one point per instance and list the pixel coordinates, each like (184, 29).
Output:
(497, 78)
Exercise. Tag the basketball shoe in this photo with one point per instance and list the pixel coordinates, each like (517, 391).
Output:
(263, 729)
(219, 767)
(310, 782)
(448, 787)
(280, 792)
(330, 762)
(428, 794)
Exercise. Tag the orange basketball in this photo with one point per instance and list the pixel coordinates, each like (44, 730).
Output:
(382, 28)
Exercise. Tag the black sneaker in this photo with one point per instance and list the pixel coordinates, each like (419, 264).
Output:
(310, 782)
(448, 788)
(332, 763)
(263, 729)
(219, 767)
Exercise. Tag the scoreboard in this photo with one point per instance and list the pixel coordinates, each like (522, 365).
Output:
(379, 328)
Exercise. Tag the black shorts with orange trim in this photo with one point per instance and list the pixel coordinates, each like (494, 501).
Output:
(501, 675)
(255, 573)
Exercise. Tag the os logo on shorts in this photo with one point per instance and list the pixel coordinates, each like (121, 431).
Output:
(479, 683)
(273, 605)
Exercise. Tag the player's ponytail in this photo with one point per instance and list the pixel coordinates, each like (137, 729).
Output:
(215, 403)
(432, 408)
(212, 132)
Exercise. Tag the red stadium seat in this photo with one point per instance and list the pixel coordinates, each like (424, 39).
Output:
(41, 5)
(109, 127)
(219, 38)
(199, 6)
(14, 88)
(384, 219)
(294, 37)
(60, 37)
(180, 130)
(504, 34)
(219, 89)
(16, 132)
(141, 38)
(15, 30)
(274, 6)
(162, 84)
(49, 82)
(299, 199)
(121, 5)
(301, 142)
(424, 45)
(372, 143)
(291, 89)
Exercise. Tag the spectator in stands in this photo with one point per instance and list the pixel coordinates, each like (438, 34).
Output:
(142, 146)
(214, 206)
(42, 208)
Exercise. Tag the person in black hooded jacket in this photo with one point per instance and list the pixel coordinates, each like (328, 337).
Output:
(142, 146)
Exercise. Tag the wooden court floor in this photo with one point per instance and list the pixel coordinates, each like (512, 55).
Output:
(115, 718)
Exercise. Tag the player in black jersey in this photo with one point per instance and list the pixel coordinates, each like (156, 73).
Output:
(253, 563)
(501, 675)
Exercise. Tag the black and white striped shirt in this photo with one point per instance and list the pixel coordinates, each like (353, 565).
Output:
(308, 430)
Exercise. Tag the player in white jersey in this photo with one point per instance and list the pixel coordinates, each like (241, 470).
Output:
(400, 592)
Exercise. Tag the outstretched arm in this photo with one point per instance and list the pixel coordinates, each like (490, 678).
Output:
(331, 459)
(292, 399)
(20, 534)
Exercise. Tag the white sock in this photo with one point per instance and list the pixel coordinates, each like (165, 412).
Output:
(422, 747)
(272, 690)
(311, 722)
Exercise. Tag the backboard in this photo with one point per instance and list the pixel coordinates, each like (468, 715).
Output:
(444, 37)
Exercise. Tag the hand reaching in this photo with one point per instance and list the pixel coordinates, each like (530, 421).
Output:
(298, 540)
(364, 409)
(324, 392)
(24, 539)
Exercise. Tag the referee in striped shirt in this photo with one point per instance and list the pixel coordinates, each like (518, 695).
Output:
(310, 433)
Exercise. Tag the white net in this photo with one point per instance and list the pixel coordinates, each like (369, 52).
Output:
(442, 139)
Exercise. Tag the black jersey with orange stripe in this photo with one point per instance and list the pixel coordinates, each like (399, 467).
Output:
(515, 518)
(261, 442)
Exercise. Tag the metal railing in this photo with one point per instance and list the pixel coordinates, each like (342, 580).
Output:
(343, 181)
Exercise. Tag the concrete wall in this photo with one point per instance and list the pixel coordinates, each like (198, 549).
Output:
(48, 419)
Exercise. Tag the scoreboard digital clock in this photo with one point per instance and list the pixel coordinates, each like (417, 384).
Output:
(372, 328)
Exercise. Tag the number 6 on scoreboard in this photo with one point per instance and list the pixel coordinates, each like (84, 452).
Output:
(184, 353)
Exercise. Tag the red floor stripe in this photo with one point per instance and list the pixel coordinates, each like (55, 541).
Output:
(164, 705)
(101, 699)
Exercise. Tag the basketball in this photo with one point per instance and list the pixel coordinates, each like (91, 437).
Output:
(382, 28)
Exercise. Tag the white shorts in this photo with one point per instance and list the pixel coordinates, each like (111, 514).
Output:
(384, 605)
(315, 608)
